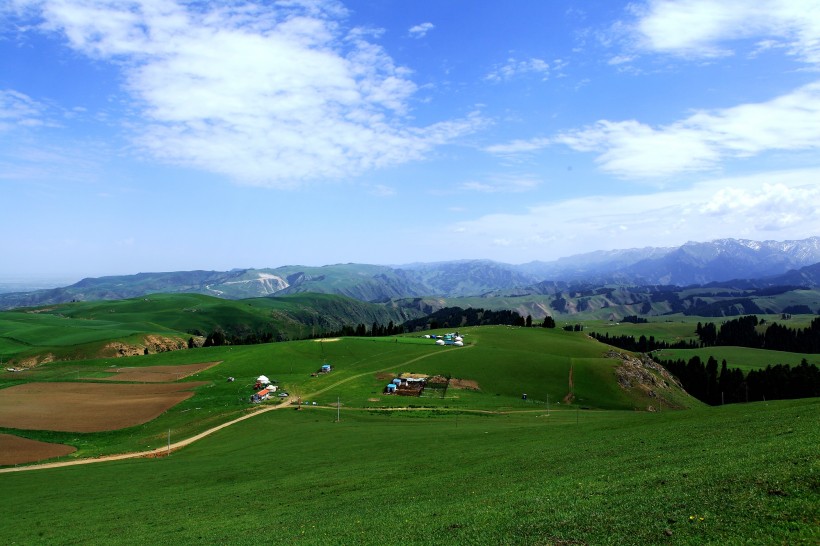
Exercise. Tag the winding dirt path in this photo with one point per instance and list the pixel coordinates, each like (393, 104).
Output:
(162, 451)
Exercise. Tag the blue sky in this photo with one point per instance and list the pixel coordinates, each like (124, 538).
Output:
(160, 135)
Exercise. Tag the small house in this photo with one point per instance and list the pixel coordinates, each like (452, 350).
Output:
(264, 394)
(391, 388)
(325, 368)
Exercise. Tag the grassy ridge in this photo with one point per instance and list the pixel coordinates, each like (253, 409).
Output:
(80, 330)
(730, 475)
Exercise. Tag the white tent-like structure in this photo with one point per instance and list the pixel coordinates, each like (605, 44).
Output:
(263, 380)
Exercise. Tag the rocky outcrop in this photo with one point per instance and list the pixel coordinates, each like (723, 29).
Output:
(163, 344)
(150, 344)
(647, 376)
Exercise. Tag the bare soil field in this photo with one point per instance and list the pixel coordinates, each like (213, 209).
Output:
(87, 407)
(16, 450)
(155, 374)
(468, 384)
(455, 383)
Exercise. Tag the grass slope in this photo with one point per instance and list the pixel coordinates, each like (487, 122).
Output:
(732, 475)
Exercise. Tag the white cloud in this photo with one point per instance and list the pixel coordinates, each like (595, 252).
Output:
(513, 68)
(269, 94)
(706, 138)
(632, 149)
(701, 28)
(777, 205)
(701, 141)
(772, 206)
(420, 31)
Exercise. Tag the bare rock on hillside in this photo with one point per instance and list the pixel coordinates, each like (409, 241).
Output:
(645, 375)
(118, 349)
(34, 361)
(162, 344)
(150, 344)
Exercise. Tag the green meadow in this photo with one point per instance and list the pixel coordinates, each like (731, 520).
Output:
(461, 466)
(741, 474)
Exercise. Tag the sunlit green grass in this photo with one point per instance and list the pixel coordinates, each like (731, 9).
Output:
(732, 475)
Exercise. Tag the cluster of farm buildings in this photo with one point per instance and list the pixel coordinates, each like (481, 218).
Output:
(447, 339)
(264, 388)
(406, 386)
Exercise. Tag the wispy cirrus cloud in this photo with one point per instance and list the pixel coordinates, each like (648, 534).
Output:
(514, 68)
(19, 110)
(502, 184)
(269, 94)
(420, 31)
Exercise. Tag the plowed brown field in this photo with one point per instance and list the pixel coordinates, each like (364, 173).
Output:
(155, 374)
(16, 450)
(87, 407)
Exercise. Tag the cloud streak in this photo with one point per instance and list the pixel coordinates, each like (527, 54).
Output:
(269, 94)
(779, 205)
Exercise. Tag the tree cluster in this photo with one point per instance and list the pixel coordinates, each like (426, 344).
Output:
(643, 344)
(743, 332)
(707, 384)
(456, 317)
(360, 330)
(634, 319)
(218, 337)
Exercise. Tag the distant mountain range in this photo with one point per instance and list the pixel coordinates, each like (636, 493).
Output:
(753, 264)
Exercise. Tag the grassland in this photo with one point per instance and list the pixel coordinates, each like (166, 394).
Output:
(731, 475)
(462, 467)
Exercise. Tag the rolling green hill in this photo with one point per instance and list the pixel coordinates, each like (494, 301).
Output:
(87, 329)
